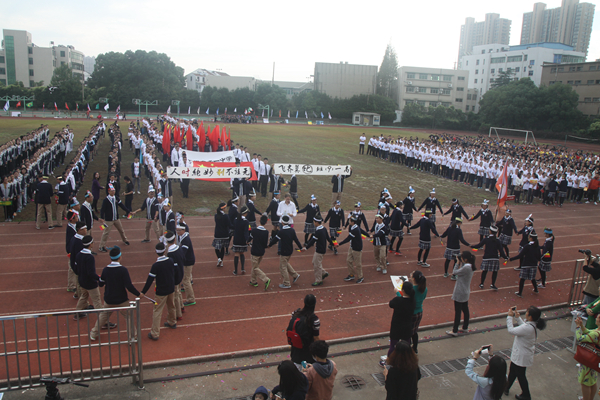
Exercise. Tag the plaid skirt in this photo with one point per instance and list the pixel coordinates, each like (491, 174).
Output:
(484, 231)
(528, 273)
(562, 194)
(424, 245)
(309, 227)
(431, 218)
(416, 321)
(545, 266)
(219, 243)
(449, 253)
(239, 249)
(252, 224)
(333, 232)
(490, 265)
(408, 217)
(551, 195)
(399, 233)
(505, 239)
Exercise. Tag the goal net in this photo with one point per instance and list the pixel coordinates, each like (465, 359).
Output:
(505, 132)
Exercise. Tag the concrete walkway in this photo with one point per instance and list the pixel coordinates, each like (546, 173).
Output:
(553, 376)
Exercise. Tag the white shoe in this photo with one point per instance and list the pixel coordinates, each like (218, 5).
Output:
(138, 192)
(587, 202)
(384, 271)
(378, 269)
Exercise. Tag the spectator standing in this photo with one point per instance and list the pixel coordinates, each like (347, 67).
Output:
(403, 305)
(308, 327)
(420, 285)
(321, 374)
(463, 271)
(402, 378)
(588, 378)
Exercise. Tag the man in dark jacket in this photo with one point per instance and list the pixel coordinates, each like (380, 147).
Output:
(260, 241)
(175, 254)
(63, 200)
(110, 214)
(44, 195)
(338, 186)
(321, 238)
(185, 244)
(88, 278)
(287, 236)
(354, 259)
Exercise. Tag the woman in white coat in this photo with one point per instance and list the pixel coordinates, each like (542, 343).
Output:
(525, 333)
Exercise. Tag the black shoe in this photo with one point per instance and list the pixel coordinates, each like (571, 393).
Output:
(521, 397)
(127, 243)
(170, 326)
(145, 241)
(152, 337)
(506, 392)
(493, 287)
(102, 250)
(325, 275)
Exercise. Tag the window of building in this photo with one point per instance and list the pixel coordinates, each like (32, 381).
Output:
(592, 67)
(467, 62)
(598, 82)
(491, 80)
(62, 63)
(3, 81)
(477, 62)
(525, 57)
(499, 69)
(475, 81)
(561, 69)
(571, 69)
(422, 90)
(469, 97)
(421, 103)
(422, 76)
(551, 82)
(530, 73)
(447, 78)
(30, 72)
(30, 50)
(446, 91)
(482, 51)
(578, 82)
(467, 108)
(517, 69)
(2, 71)
(410, 75)
(484, 61)
(458, 100)
(579, 68)
(596, 99)
(31, 83)
(493, 71)
(569, 82)
(410, 89)
(552, 70)
(62, 54)
(498, 60)
(435, 77)
(30, 61)
(531, 62)
(461, 78)
(2, 60)
(460, 89)
(474, 97)
(514, 59)
(587, 99)
(476, 72)
(434, 91)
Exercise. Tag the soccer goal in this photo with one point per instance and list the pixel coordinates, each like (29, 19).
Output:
(508, 131)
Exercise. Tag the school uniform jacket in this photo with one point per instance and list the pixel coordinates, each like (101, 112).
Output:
(70, 233)
(260, 241)
(321, 238)
(175, 254)
(233, 213)
(507, 226)
(222, 225)
(397, 220)
(241, 231)
(109, 211)
(287, 237)
(338, 182)
(75, 247)
(252, 211)
(455, 238)
(380, 233)
(162, 271)
(87, 215)
(118, 282)
(457, 210)
(273, 206)
(548, 248)
(86, 270)
(529, 255)
(335, 218)
(409, 205)
(151, 207)
(165, 187)
(360, 218)
(355, 238)
(170, 223)
(493, 248)
(526, 231)
(426, 228)
(487, 218)
(430, 204)
(310, 212)
(185, 244)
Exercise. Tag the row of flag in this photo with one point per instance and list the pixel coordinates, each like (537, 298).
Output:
(249, 110)
(30, 104)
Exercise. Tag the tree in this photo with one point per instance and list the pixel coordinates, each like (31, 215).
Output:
(387, 77)
(503, 79)
(68, 87)
(272, 96)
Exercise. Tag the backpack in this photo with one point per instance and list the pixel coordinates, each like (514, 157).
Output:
(296, 331)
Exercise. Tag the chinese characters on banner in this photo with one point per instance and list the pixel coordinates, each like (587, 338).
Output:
(217, 156)
(209, 173)
(310, 169)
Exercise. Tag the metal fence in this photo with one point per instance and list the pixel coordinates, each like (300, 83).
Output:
(41, 345)
(580, 278)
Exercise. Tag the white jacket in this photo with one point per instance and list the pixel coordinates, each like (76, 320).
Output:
(525, 334)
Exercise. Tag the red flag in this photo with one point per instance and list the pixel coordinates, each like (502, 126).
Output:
(201, 137)
(55, 106)
(166, 142)
(19, 104)
(223, 138)
(67, 106)
(502, 185)
(214, 138)
(279, 113)
(189, 139)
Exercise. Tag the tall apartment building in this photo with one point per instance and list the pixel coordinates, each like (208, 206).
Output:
(432, 87)
(523, 61)
(345, 80)
(493, 30)
(570, 24)
(21, 60)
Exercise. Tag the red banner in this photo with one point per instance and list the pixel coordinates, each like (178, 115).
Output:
(225, 165)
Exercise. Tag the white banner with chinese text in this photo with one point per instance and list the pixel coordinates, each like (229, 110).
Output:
(208, 172)
(310, 169)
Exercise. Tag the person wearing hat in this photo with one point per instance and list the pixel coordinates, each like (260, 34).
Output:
(396, 224)
(491, 256)
(74, 204)
(252, 211)
(87, 213)
(170, 222)
(44, 195)
(338, 186)
(525, 231)
(185, 244)
(320, 237)
(487, 220)
(260, 241)
(221, 235)
(75, 246)
(530, 256)
(431, 203)
(506, 226)
(241, 237)
(87, 278)
(150, 205)
(455, 238)
(62, 192)
(311, 210)
(118, 282)
(545, 264)
(359, 215)
(457, 210)
(335, 216)
(175, 253)
(110, 215)
(72, 219)
(165, 186)
(311, 332)
(426, 227)
(162, 271)
(287, 237)
(354, 258)
(380, 232)
(160, 200)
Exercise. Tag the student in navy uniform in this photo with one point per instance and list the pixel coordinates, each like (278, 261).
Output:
(175, 253)
(293, 183)
(44, 195)
(491, 257)
(311, 209)
(455, 238)
(380, 232)
(545, 264)
(150, 205)
(354, 258)
(338, 186)
(165, 186)
(75, 246)
(396, 225)
(232, 213)
(241, 237)
(320, 237)
(170, 222)
(526, 231)
(431, 203)
(63, 193)
(128, 193)
(88, 278)
(260, 241)
(335, 216)
(359, 215)
(507, 227)
(487, 220)
(185, 244)
(118, 282)
(252, 211)
(287, 236)
(87, 213)
(426, 227)
(409, 207)
(530, 256)
(221, 236)
(457, 210)
(162, 271)
(272, 210)
(72, 219)
(110, 215)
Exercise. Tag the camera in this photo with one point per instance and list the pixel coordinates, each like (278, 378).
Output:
(587, 252)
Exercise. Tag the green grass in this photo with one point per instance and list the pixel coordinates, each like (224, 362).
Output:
(283, 144)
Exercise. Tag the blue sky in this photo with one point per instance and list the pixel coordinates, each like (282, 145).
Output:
(245, 38)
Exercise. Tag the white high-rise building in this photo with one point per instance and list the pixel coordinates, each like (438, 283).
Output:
(493, 30)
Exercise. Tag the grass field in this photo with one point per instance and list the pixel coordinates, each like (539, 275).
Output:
(285, 144)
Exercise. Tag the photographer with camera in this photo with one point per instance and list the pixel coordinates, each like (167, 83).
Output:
(462, 290)
(490, 385)
(590, 290)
